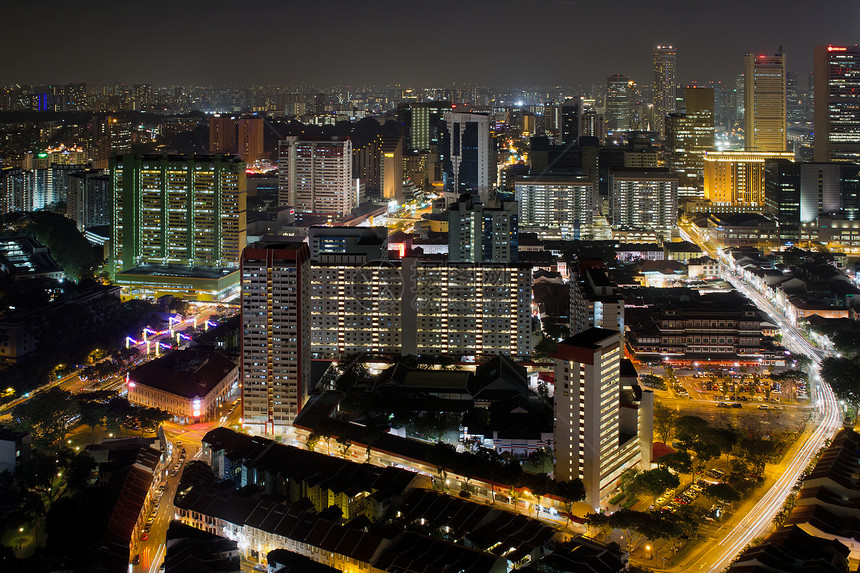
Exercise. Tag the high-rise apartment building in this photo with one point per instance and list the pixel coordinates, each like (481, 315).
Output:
(89, 199)
(765, 103)
(467, 161)
(837, 103)
(665, 58)
(646, 199)
(391, 168)
(315, 175)
(557, 205)
(410, 306)
(619, 102)
(479, 233)
(688, 136)
(222, 134)
(276, 335)
(594, 440)
(177, 210)
(249, 138)
(734, 180)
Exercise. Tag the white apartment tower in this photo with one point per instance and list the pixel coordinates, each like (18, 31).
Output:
(276, 335)
(644, 199)
(315, 175)
(589, 441)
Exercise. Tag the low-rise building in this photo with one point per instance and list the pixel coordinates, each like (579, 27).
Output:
(188, 384)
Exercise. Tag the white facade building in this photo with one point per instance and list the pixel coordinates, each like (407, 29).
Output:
(556, 205)
(315, 175)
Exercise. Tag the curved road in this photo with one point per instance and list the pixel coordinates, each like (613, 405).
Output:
(758, 520)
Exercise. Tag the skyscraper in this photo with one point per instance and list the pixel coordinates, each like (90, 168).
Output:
(765, 103)
(619, 101)
(177, 210)
(664, 85)
(570, 112)
(467, 159)
(837, 103)
(315, 175)
(276, 335)
(688, 136)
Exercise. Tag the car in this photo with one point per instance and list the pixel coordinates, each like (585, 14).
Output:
(136, 560)
(722, 405)
(145, 536)
(660, 500)
(764, 407)
(737, 405)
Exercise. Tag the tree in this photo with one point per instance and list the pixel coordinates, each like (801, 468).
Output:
(722, 492)
(677, 461)
(664, 421)
(48, 415)
(843, 374)
(653, 482)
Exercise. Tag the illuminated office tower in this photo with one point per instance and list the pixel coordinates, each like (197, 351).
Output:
(315, 175)
(765, 103)
(249, 139)
(837, 103)
(734, 181)
(664, 85)
(276, 335)
(467, 154)
(593, 440)
(619, 102)
(646, 199)
(177, 210)
(570, 112)
(222, 134)
(688, 136)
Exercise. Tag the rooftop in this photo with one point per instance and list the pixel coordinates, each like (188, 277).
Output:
(186, 373)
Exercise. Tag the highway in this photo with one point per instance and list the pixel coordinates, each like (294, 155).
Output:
(757, 521)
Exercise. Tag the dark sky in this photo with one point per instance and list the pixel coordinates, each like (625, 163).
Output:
(355, 42)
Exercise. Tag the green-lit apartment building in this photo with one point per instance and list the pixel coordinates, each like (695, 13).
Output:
(178, 224)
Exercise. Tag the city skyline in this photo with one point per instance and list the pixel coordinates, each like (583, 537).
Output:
(180, 44)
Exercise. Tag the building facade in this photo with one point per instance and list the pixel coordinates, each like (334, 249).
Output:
(764, 103)
(665, 58)
(688, 136)
(556, 205)
(736, 179)
(276, 335)
(644, 199)
(315, 175)
(837, 103)
(589, 442)
(479, 233)
(177, 210)
(468, 157)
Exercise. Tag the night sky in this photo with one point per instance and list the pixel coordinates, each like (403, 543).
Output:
(360, 42)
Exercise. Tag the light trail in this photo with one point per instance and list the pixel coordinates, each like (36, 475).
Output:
(758, 520)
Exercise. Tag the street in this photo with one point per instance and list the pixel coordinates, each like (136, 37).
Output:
(747, 525)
